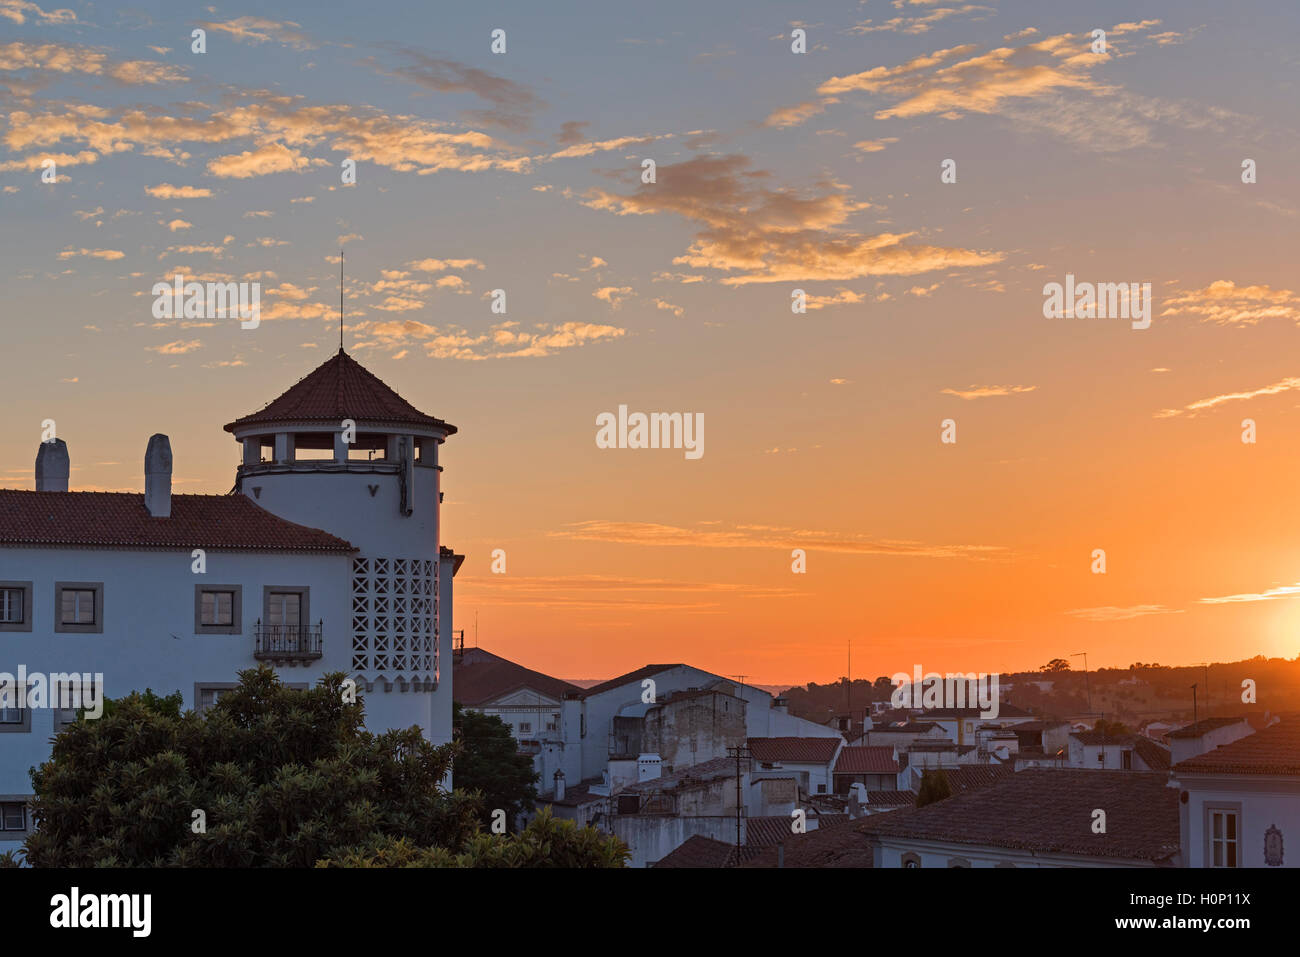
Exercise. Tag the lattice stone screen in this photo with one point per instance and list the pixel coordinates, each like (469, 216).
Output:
(395, 622)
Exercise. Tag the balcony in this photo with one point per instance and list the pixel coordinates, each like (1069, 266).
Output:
(288, 644)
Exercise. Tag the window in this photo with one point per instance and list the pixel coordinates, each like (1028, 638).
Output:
(11, 606)
(554, 723)
(958, 862)
(525, 727)
(285, 610)
(79, 607)
(14, 720)
(821, 789)
(64, 717)
(1126, 760)
(911, 859)
(1225, 830)
(15, 606)
(208, 694)
(218, 610)
(205, 696)
(13, 816)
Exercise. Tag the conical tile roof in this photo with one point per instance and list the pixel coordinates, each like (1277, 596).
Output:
(339, 389)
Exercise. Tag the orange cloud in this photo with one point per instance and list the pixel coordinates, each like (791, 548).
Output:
(766, 536)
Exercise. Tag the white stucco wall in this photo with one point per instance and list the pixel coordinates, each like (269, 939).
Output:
(1263, 801)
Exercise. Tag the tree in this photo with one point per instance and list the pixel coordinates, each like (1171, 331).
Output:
(934, 787)
(490, 763)
(267, 777)
(882, 688)
(1056, 664)
(1113, 729)
(545, 842)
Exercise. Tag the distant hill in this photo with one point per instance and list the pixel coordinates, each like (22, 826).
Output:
(590, 682)
(1132, 695)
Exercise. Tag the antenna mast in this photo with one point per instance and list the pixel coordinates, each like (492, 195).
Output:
(340, 299)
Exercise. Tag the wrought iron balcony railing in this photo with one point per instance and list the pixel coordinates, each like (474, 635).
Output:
(288, 642)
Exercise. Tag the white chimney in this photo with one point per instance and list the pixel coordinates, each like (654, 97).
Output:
(559, 785)
(52, 466)
(648, 767)
(158, 476)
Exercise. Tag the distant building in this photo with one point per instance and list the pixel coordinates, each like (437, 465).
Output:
(874, 766)
(529, 702)
(1206, 735)
(1124, 752)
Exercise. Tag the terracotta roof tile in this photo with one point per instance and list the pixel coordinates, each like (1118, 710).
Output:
(481, 676)
(699, 851)
(120, 520)
(341, 388)
(1154, 756)
(637, 676)
(1274, 750)
(1204, 726)
(872, 759)
(1042, 809)
(799, 750)
(830, 845)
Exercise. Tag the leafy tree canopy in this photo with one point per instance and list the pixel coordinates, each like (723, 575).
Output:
(267, 777)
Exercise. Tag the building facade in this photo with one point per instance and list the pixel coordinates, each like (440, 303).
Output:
(326, 556)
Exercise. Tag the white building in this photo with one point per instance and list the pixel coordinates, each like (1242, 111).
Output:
(605, 721)
(1206, 735)
(324, 557)
(1240, 802)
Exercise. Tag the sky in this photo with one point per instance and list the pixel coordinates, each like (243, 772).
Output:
(774, 171)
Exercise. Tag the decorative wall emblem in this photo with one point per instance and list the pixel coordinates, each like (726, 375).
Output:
(1273, 846)
(373, 490)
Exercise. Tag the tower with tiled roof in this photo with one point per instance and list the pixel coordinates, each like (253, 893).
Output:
(341, 451)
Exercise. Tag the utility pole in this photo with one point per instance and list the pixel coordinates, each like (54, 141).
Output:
(848, 686)
(1086, 683)
(740, 752)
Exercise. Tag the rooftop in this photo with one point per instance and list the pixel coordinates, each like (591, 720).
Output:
(649, 671)
(871, 759)
(340, 388)
(482, 677)
(1204, 726)
(1041, 809)
(121, 520)
(1275, 750)
(797, 750)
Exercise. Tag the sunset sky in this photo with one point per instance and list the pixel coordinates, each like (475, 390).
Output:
(775, 171)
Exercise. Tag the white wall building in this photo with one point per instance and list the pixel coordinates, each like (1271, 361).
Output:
(601, 722)
(324, 557)
(1240, 803)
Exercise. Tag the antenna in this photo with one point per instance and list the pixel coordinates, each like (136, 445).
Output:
(340, 299)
